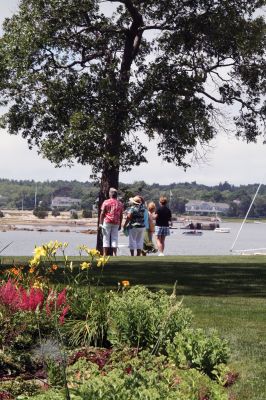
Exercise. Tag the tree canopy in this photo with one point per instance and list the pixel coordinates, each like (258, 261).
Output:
(87, 80)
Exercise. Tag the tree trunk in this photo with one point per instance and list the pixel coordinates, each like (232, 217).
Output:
(109, 178)
(110, 174)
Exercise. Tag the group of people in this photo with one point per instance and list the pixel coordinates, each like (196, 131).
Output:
(142, 222)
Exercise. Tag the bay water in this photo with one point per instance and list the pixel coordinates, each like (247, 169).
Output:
(252, 236)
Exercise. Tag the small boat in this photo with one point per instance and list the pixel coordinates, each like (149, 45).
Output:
(222, 230)
(194, 233)
(208, 225)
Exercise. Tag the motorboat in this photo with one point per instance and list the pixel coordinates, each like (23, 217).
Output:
(193, 233)
(222, 230)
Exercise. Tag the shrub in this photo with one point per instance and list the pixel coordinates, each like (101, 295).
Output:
(137, 378)
(141, 318)
(41, 214)
(194, 349)
(74, 214)
(55, 213)
(87, 324)
(86, 214)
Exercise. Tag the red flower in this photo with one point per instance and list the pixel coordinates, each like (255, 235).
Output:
(9, 295)
(61, 298)
(63, 314)
(35, 299)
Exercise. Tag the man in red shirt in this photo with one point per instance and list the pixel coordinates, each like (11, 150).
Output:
(110, 220)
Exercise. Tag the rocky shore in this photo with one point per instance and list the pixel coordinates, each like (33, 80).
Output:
(16, 220)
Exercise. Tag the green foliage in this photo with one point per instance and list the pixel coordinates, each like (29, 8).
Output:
(87, 323)
(86, 214)
(112, 80)
(19, 389)
(137, 378)
(141, 318)
(192, 348)
(74, 215)
(12, 192)
(55, 213)
(41, 214)
(238, 198)
(55, 372)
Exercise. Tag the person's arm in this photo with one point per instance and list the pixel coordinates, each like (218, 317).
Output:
(121, 219)
(102, 215)
(170, 218)
(128, 219)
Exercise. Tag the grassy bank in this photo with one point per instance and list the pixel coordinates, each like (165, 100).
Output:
(227, 293)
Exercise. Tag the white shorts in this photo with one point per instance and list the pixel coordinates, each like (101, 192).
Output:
(136, 237)
(110, 235)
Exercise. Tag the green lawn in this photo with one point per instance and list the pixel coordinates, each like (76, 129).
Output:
(227, 293)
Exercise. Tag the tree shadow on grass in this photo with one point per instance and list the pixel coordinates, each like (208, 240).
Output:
(193, 278)
(198, 276)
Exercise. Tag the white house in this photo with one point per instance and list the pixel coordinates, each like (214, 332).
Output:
(205, 207)
(65, 202)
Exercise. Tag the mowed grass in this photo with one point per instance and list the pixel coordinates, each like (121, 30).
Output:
(227, 293)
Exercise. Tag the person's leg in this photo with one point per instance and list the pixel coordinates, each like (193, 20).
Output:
(114, 238)
(159, 243)
(139, 240)
(105, 251)
(132, 240)
(106, 238)
(163, 243)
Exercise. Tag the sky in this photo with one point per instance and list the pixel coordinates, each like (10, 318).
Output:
(228, 159)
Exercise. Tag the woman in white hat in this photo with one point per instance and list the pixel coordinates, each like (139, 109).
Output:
(135, 225)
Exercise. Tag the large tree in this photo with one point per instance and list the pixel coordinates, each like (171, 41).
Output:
(86, 80)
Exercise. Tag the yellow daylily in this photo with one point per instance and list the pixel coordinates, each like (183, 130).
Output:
(102, 261)
(94, 253)
(38, 285)
(85, 265)
(39, 252)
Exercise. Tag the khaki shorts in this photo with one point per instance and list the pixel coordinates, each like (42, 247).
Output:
(110, 235)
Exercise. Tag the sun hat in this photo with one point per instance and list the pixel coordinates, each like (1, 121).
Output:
(112, 190)
(136, 200)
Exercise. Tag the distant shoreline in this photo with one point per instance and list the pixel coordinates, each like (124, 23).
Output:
(18, 220)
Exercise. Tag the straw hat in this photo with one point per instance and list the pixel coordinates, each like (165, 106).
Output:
(136, 200)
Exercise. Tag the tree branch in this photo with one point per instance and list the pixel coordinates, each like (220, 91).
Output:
(133, 39)
(81, 62)
(211, 97)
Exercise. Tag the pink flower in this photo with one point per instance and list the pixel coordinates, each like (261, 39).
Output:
(9, 295)
(61, 298)
(35, 299)
(63, 314)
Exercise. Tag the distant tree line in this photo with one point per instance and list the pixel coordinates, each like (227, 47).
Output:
(27, 194)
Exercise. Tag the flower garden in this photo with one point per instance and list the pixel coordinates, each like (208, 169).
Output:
(65, 335)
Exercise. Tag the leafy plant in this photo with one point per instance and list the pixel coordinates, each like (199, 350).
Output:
(141, 318)
(41, 214)
(86, 213)
(87, 323)
(127, 376)
(192, 348)
(55, 213)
